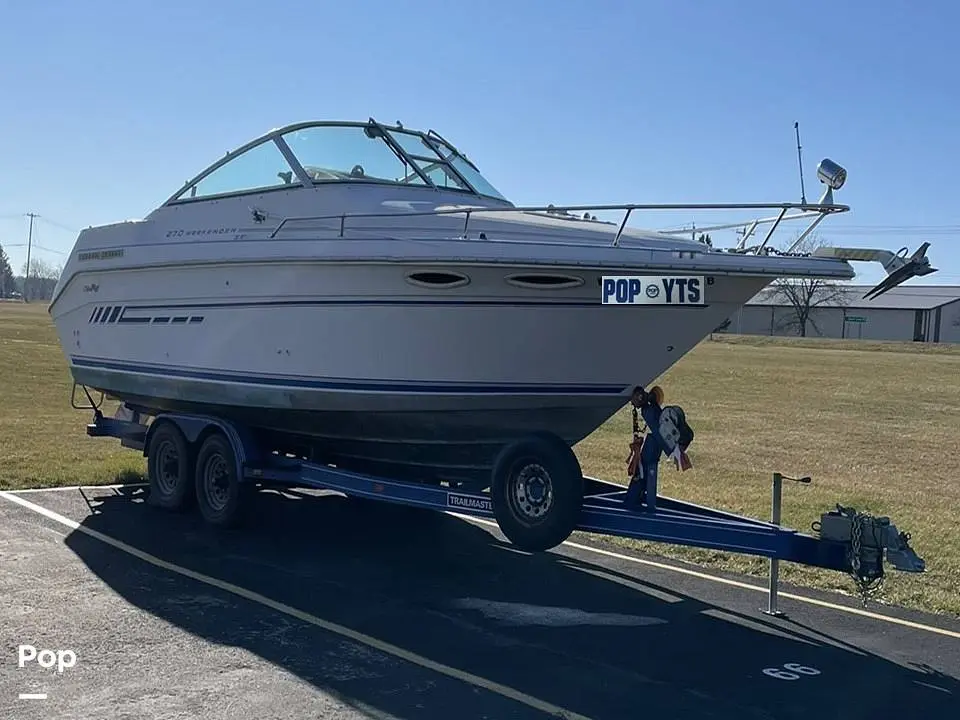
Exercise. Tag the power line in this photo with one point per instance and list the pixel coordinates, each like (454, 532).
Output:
(903, 227)
(42, 218)
(46, 249)
(37, 246)
(892, 233)
(58, 225)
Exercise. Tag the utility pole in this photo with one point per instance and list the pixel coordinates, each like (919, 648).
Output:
(26, 277)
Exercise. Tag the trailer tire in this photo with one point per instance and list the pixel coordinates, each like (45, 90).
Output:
(537, 493)
(170, 468)
(220, 493)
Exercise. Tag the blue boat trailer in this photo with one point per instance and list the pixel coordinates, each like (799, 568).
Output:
(215, 463)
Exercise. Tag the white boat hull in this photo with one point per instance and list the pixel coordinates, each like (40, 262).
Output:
(376, 373)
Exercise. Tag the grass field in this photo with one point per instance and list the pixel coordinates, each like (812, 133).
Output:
(875, 424)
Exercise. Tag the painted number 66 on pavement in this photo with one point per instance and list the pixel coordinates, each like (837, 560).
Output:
(790, 671)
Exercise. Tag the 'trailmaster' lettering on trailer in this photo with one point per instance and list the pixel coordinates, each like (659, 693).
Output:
(469, 502)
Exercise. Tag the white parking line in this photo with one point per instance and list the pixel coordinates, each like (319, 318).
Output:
(737, 583)
(61, 488)
(627, 558)
(372, 642)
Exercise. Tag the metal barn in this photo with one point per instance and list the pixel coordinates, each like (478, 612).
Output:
(919, 313)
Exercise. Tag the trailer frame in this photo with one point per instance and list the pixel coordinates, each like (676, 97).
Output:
(603, 510)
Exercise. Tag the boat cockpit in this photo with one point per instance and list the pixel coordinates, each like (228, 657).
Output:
(314, 153)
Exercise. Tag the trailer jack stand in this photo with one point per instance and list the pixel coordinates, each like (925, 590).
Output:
(775, 513)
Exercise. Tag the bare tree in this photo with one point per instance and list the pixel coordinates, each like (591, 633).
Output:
(40, 268)
(804, 295)
(41, 280)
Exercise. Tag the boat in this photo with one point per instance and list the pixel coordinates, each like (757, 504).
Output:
(360, 294)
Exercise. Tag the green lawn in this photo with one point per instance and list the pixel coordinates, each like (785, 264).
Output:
(875, 424)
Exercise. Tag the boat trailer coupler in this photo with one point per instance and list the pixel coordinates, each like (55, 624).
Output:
(868, 537)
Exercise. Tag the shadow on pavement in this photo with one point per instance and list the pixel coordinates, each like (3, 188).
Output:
(431, 583)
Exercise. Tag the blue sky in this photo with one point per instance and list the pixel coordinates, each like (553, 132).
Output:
(108, 107)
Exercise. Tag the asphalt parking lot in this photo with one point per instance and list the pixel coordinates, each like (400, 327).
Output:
(322, 607)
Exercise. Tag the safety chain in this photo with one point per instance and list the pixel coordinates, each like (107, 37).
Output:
(865, 586)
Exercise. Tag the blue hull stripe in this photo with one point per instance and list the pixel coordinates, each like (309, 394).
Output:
(388, 386)
(405, 302)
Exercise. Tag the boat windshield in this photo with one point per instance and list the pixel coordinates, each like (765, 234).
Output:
(341, 152)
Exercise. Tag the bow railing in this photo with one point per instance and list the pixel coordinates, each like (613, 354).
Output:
(818, 211)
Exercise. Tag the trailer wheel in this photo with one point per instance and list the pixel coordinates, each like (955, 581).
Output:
(169, 468)
(220, 494)
(537, 493)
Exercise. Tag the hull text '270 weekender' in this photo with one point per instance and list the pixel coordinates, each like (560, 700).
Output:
(363, 293)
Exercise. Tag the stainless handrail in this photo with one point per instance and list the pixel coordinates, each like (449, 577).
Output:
(820, 210)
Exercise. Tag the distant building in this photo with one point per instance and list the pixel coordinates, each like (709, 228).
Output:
(920, 313)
